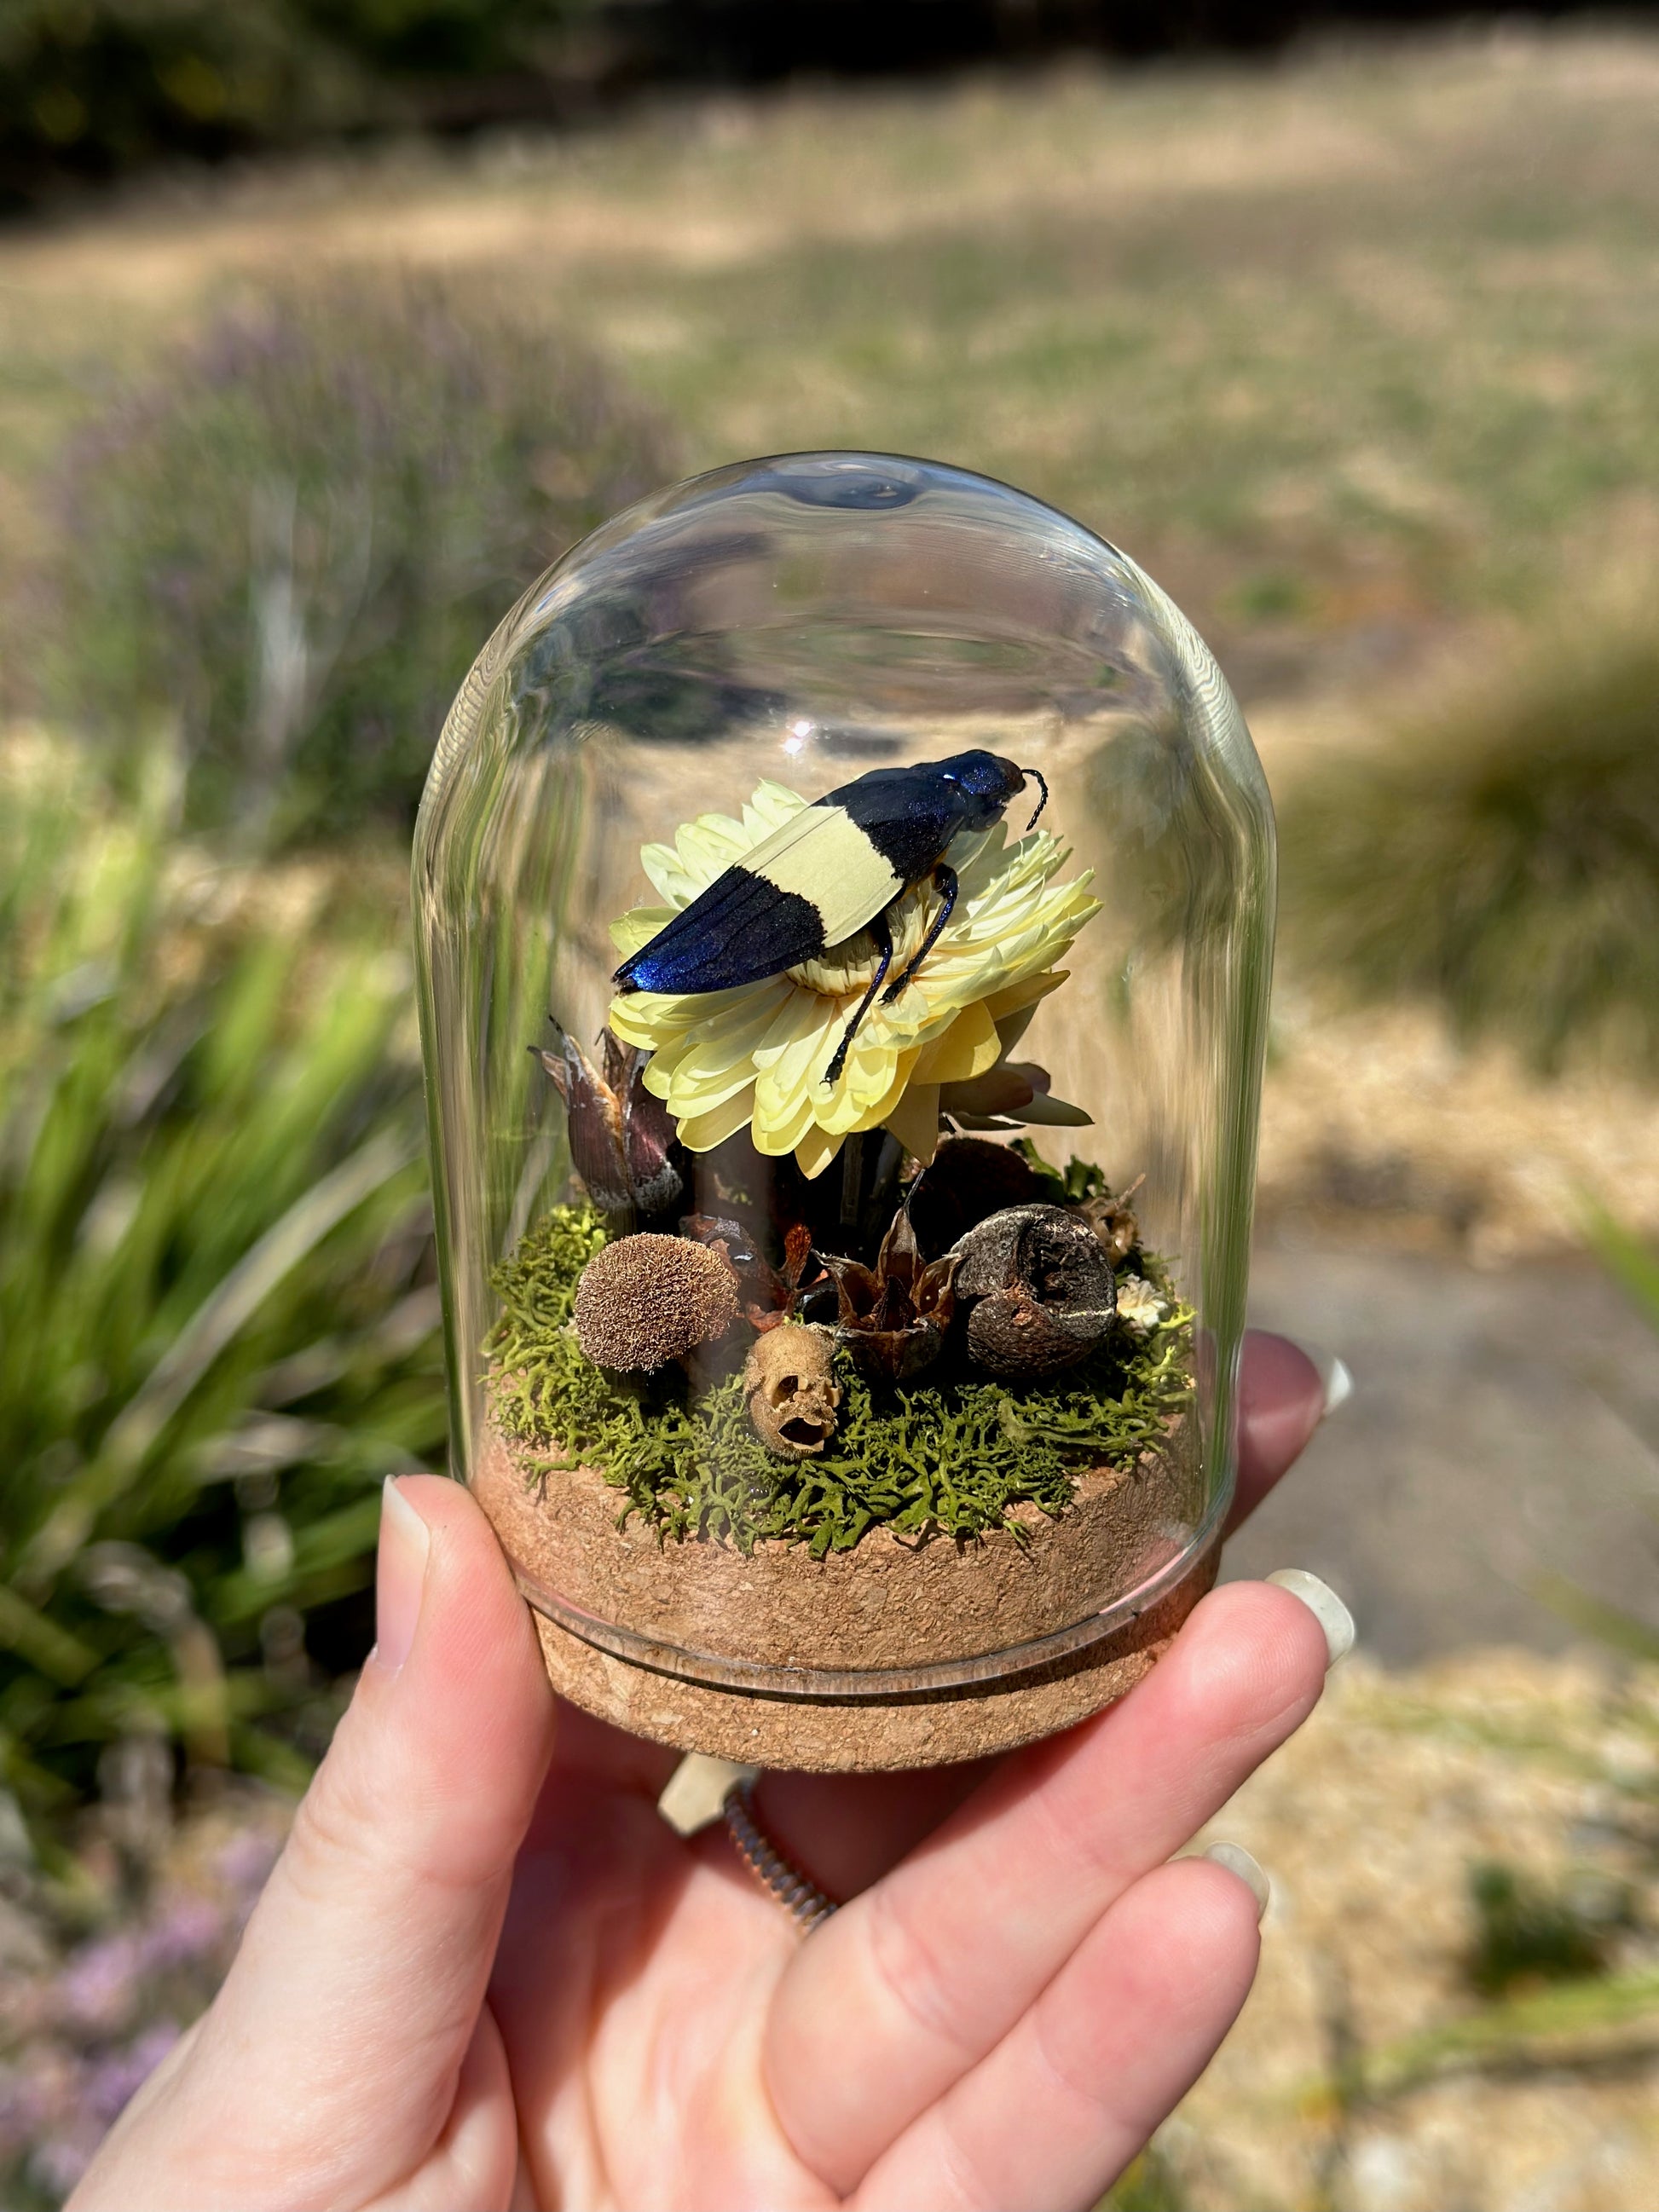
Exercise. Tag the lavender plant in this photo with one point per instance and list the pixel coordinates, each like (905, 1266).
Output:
(291, 539)
(93, 2004)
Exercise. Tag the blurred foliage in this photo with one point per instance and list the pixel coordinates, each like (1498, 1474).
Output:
(217, 1332)
(1634, 1266)
(296, 538)
(1149, 2183)
(1503, 858)
(94, 87)
(1526, 1933)
(1602, 2023)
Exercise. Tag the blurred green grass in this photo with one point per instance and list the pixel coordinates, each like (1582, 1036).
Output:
(216, 1319)
(1500, 856)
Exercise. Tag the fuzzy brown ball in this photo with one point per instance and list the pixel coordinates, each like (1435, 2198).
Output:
(647, 1299)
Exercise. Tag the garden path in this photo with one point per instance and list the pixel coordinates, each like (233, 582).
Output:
(1504, 1428)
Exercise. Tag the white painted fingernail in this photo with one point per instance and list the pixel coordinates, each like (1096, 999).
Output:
(1338, 1382)
(1335, 1380)
(1237, 1860)
(1326, 1607)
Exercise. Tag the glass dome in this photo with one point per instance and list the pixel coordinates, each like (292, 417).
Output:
(843, 897)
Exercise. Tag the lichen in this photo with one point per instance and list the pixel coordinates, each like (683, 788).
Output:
(955, 1457)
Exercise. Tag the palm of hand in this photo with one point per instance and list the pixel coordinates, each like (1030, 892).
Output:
(486, 1972)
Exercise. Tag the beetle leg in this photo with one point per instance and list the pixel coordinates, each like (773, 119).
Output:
(944, 882)
(883, 936)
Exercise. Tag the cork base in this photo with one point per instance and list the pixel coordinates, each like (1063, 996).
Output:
(868, 1735)
(901, 1652)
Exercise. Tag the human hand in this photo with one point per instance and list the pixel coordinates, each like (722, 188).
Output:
(486, 1973)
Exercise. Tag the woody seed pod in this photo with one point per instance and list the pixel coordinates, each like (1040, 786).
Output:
(792, 1392)
(1041, 1287)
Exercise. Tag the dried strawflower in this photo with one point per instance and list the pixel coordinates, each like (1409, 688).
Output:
(645, 1300)
(1109, 1217)
(754, 1057)
(792, 1395)
(1040, 1287)
(620, 1136)
(1140, 1306)
(893, 1317)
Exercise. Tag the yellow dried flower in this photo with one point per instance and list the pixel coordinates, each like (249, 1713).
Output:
(755, 1056)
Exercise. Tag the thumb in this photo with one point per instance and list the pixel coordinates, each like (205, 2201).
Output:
(330, 2058)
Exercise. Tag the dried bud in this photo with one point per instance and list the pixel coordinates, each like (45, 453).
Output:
(967, 1178)
(1043, 1289)
(620, 1135)
(647, 1299)
(1110, 1219)
(792, 1391)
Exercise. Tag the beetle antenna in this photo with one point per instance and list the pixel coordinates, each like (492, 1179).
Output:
(1035, 775)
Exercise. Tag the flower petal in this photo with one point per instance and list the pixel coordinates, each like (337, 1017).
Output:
(815, 1152)
(968, 1048)
(914, 1120)
(1044, 1111)
(701, 1133)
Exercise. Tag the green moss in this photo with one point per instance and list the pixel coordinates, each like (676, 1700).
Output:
(953, 1455)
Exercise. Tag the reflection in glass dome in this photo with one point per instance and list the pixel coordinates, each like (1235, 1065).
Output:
(843, 897)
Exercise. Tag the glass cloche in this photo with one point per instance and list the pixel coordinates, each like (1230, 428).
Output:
(843, 897)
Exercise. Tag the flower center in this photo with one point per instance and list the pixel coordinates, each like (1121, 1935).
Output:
(847, 969)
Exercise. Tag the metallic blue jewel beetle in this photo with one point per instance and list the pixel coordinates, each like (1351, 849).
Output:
(834, 869)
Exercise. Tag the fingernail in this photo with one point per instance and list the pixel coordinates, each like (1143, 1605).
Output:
(400, 1573)
(1326, 1607)
(1335, 1379)
(1338, 1382)
(1237, 1860)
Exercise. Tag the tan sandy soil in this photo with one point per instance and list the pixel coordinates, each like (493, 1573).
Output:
(890, 1601)
(1378, 1122)
(1367, 1823)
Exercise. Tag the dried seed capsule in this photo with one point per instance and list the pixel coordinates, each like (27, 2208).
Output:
(892, 1317)
(1041, 1287)
(792, 1395)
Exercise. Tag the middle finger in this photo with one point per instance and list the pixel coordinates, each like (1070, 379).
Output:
(911, 1984)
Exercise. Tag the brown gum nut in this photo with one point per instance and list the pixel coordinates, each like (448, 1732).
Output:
(1043, 1290)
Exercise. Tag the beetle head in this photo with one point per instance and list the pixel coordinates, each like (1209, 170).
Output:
(988, 781)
